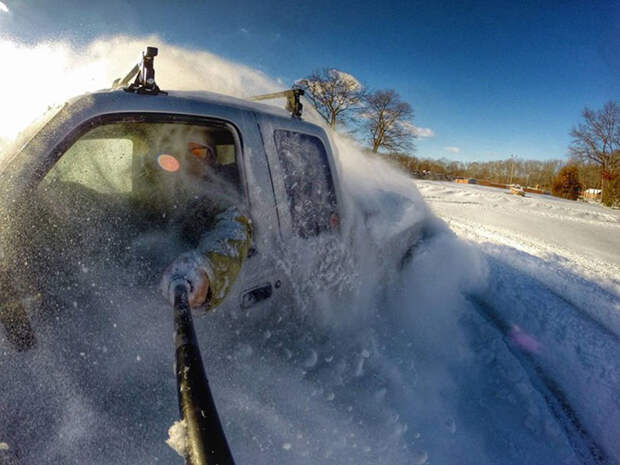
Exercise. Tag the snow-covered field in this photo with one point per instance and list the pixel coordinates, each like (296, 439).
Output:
(581, 237)
(554, 290)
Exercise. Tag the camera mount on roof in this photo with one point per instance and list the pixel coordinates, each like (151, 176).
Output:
(293, 103)
(144, 73)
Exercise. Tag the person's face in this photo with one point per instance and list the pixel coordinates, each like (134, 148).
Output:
(199, 158)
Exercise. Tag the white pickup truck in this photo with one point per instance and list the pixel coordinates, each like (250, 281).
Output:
(87, 185)
(92, 173)
(92, 182)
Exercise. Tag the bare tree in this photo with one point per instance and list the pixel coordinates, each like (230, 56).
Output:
(566, 184)
(333, 93)
(597, 140)
(388, 121)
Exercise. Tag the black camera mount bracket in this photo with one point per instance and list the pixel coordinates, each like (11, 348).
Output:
(293, 101)
(144, 72)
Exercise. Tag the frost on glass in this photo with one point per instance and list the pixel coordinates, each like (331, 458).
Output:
(103, 165)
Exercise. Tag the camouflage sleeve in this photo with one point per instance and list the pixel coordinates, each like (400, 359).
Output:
(224, 249)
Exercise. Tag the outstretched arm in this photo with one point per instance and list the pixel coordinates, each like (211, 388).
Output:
(212, 268)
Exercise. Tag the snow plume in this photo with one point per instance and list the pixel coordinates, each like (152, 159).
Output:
(37, 77)
(339, 81)
(381, 359)
(348, 80)
(417, 131)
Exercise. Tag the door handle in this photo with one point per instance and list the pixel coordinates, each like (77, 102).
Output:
(253, 296)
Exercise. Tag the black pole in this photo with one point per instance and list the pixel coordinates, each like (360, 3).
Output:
(206, 443)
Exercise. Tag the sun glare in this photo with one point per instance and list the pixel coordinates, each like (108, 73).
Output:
(37, 77)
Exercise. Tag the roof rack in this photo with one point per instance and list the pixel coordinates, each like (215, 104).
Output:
(144, 73)
(293, 103)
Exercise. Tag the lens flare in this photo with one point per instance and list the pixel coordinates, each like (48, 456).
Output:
(168, 163)
(523, 340)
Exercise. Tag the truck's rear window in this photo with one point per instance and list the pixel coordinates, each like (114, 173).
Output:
(308, 181)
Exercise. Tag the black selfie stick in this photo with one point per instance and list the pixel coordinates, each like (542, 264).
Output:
(206, 443)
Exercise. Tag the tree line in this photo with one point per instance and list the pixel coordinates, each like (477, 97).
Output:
(385, 123)
(508, 171)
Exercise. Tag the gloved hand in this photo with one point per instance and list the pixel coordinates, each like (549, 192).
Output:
(193, 269)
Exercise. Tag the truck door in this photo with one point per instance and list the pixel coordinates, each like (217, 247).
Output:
(305, 186)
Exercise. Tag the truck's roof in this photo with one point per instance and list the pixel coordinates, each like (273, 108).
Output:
(83, 108)
(173, 101)
(220, 99)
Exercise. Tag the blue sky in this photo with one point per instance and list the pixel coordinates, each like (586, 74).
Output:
(489, 78)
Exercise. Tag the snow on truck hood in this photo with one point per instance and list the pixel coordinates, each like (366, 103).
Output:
(388, 214)
(381, 197)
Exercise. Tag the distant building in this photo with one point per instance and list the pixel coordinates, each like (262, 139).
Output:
(592, 194)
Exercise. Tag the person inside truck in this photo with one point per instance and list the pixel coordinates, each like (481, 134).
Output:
(184, 191)
(224, 235)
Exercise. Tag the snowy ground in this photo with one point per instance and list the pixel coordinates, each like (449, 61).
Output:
(554, 290)
(572, 247)
(498, 349)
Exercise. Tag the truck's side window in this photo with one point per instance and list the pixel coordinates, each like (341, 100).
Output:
(127, 157)
(103, 165)
(308, 181)
(157, 177)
